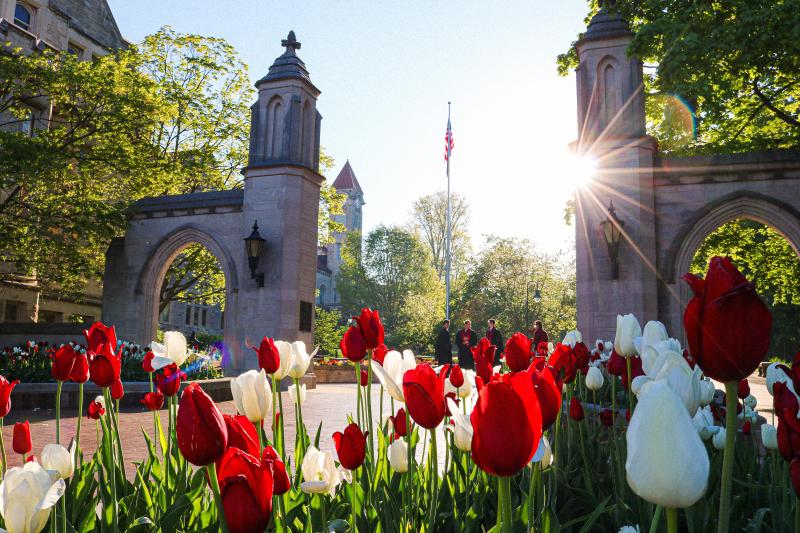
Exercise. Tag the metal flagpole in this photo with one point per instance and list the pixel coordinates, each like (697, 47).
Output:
(447, 242)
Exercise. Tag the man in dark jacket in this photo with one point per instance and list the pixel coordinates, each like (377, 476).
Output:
(444, 347)
(496, 338)
(539, 335)
(466, 339)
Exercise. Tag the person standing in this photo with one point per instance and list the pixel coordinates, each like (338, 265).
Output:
(496, 338)
(466, 339)
(444, 346)
(539, 335)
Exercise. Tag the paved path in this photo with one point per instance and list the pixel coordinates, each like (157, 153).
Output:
(328, 403)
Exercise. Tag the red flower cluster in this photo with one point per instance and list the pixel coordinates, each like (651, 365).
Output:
(366, 333)
(101, 348)
(787, 406)
(722, 301)
(483, 355)
(70, 365)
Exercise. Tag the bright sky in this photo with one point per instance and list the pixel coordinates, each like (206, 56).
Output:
(386, 72)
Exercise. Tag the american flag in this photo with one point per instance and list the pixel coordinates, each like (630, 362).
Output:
(448, 141)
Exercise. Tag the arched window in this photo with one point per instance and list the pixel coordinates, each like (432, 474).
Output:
(274, 128)
(610, 94)
(22, 16)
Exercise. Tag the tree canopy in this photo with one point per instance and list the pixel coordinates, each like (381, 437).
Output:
(429, 219)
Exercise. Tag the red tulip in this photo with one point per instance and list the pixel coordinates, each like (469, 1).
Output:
(542, 349)
(424, 394)
(607, 417)
(5, 395)
(22, 438)
(379, 353)
(169, 381)
(616, 364)
(507, 425)
(371, 328)
(147, 362)
(563, 359)
(399, 423)
(202, 434)
(153, 400)
(575, 409)
(456, 376)
(727, 325)
(518, 352)
(95, 410)
(31, 459)
(242, 434)
(105, 366)
(352, 344)
(280, 479)
(246, 491)
(70, 364)
(744, 389)
(363, 378)
(268, 356)
(351, 446)
(548, 392)
(99, 335)
(483, 355)
(117, 390)
(747, 428)
(582, 355)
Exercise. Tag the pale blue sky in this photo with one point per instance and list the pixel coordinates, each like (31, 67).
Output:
(386, 71)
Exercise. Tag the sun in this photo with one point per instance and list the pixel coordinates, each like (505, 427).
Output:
(579, 170)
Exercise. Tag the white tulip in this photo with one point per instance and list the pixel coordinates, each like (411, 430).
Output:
(543, 454)
(572, 338)
(628, 329)
(629, 529)
(719, 439)
(301, 359)
(674, 369)
(319, 472)
(653, 333)
(776, 374)
(297, 394)
(594, 378)
(172, 351)
(608, 346)
(704, 423)
(748, 414)
(287, 359)
(462, 427)
(101, 400)
(707, 392)
(464, 390)
(667, 462)
(26, 496)
(252, 395)
(398, 456)
(769, 436)
(59, 460)
(392, 371)
(751, 401)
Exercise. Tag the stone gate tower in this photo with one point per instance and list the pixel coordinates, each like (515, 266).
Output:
(611, 130)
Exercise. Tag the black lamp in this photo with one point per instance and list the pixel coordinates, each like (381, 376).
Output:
(612, 232)
(254, 245)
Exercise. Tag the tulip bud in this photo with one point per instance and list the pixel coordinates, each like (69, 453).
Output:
(153, 401)
(301, 359)
(21, 440)
(456, 377)
(319, 472)
(287, 359)
(704, 423)
(56, 458)
(629, 529)
(252, 395)
(572, 338)
(628, 329)
(398, 456)
(576, 409)
(777, 372)
(544, 454)
(769, 436)
(351, 446)
(462, 427)
(751, 401)
(594, 378)
(719, 439)
(707, 392)
(117, 390)
(29, 494)
(667, 463)
(363, 378)
(202, 433)
(297, 394)
(96, 410)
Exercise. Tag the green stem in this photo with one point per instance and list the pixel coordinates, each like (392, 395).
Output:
(368, 399)
(358, 393)
(656, 519)
(409, 475)
(434, 480)
(587, 473)
(275, 414)
(301, 427)
(63, 504)
(324, 513)
(731, 398)
(282, 426)
(353, 526)
(78, 424)
(168, 457)
(2, 447)
(630, 392)
(672, 520)
(58, 411)
(504, 502)
(531, 488)
(214, 482)
(108, 455)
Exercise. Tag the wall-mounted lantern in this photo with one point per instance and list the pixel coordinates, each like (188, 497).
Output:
(612, 232)
(254, 245)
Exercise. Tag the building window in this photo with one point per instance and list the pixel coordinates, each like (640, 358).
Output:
(12, 311)
(22, 16)
(204, 320)
(306, 313)
(75, 50)
(49, 317)
(188, 315)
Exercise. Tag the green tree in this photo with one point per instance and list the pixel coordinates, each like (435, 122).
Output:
(736, 66)
(67, 180)
(429, 219)
(768, 260)
(391, 271)
(328, 330)
(499, 277)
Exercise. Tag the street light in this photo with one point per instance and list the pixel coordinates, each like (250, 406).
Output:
(537, 299)
(254, 245)
(612, 232)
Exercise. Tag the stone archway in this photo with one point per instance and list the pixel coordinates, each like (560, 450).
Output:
(155, 268)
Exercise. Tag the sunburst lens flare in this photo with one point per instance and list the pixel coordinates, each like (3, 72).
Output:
(580, 170)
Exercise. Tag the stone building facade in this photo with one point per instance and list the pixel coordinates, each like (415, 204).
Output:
(329, 256)
(87, 29)
(662, 207)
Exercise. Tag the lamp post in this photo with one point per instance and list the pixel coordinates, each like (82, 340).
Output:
(537, 298)
(612, 233)
(254, 245)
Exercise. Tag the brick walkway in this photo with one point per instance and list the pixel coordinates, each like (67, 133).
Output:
(328, 403)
